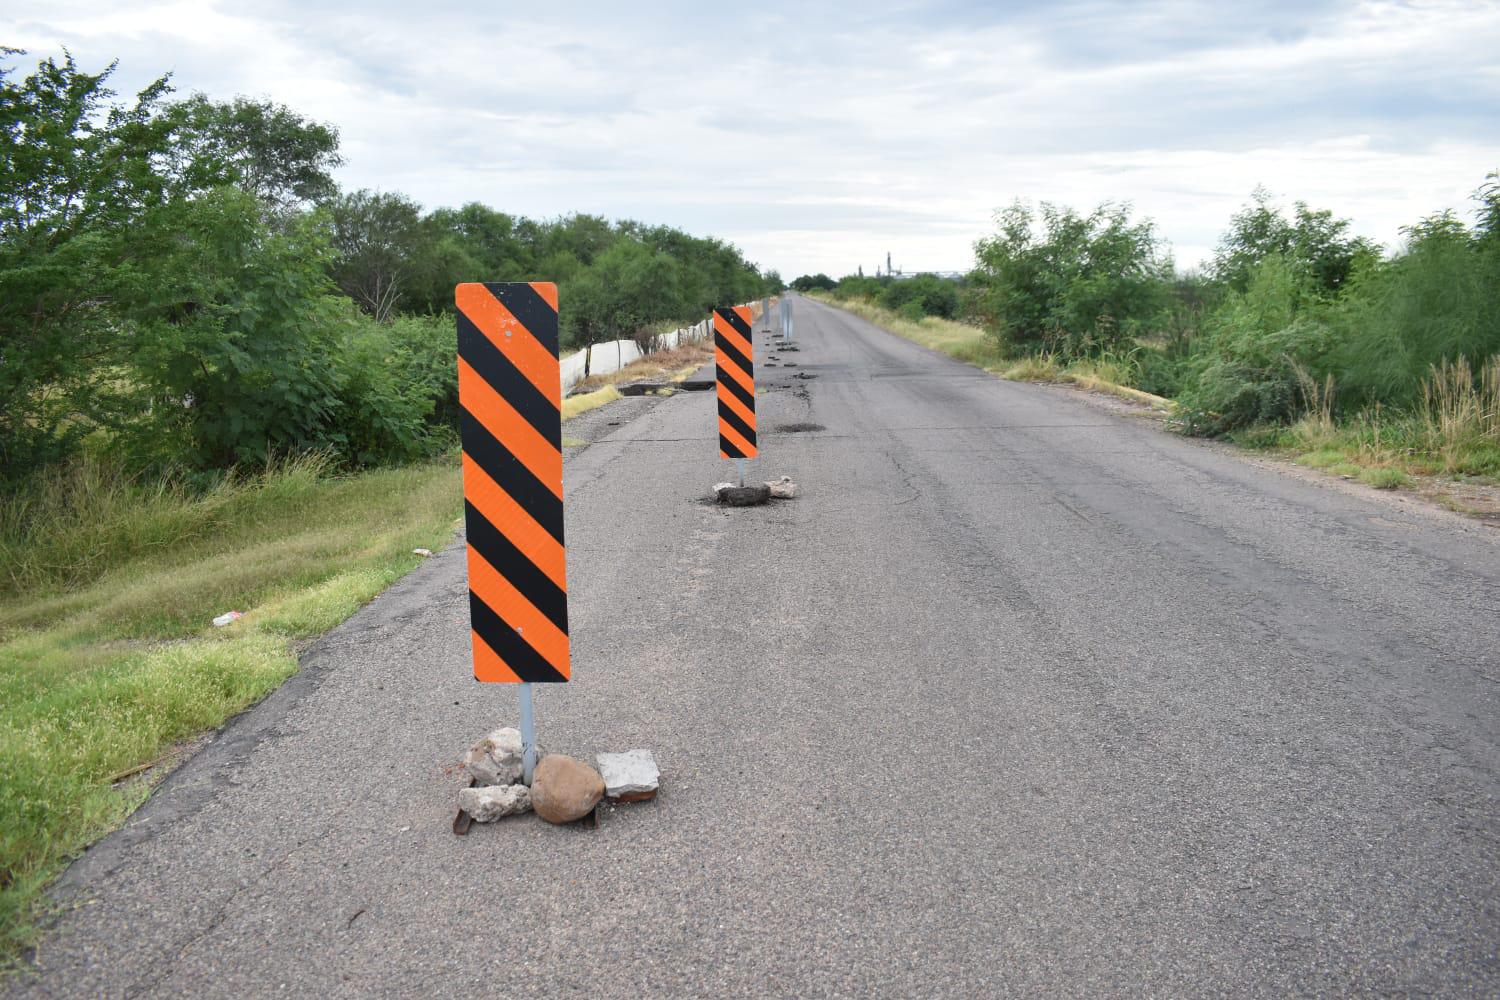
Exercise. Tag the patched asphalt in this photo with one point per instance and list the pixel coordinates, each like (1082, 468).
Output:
(1020, 696)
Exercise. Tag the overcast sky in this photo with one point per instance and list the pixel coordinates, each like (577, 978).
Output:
(817, 139)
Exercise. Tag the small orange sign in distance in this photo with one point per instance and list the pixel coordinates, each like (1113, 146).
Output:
(510, 413)
(735, 360)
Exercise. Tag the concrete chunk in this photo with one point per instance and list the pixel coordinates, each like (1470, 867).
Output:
(496, 759)
(487, 804)
(783, 488)
(631, 776)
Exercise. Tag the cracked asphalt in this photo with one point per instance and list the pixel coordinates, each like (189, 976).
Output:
(1020, 696)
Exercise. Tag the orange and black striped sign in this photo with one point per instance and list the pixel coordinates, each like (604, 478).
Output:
(735, 359)
(510, 403)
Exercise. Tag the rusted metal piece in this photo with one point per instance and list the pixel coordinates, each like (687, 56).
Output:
(463, 820)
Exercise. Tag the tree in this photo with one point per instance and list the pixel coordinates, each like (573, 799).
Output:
(381, 246)
(270, 151)
(1312, 242)
(815, 282)
(237, 344)
(84, 184)
(933, 296)
(1071, 283)
(626, 290)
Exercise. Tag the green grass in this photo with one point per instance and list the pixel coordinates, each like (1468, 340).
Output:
(107, 654)
(1384, 478)
(1035, 368)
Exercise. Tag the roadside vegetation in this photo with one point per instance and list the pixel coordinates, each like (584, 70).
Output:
(108, 659)
(1298, 337)
(226, 384)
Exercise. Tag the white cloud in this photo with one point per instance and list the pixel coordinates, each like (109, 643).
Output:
(818, 139)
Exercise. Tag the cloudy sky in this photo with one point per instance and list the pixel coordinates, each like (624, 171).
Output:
(817, 137)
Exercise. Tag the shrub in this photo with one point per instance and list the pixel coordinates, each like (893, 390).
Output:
(1073, 284)
(1250, 365)
(813, 283)
(932, 295)
(1316, 244)
(1430, 305)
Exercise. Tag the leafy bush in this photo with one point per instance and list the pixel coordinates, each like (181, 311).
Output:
(1432, 304)
(1159, 371)
(858, 286)
(1315, 244)
(237, 345)
(1377, 337)
(1070, 284)
(392, 378)
(932, 295)
(813, 283)
(912, 310)
(1258, 348)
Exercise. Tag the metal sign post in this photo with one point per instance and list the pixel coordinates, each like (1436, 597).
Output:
(528, 735)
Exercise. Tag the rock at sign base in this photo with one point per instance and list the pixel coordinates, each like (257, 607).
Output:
(485, 805)
(631, 776)
(496, 759)
(564, 789)
(743, 496)
(783, 488)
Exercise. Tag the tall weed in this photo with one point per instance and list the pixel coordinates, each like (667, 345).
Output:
(1461, 410)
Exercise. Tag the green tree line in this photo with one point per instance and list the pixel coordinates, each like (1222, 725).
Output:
(183, 284)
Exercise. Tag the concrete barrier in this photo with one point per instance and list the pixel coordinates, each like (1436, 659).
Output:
(613, 355)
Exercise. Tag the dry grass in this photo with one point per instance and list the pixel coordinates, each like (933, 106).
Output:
(1461, 409)
(1448, 448)
(584, 402)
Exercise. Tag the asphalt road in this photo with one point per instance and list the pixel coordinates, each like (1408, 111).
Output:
(1021, 696)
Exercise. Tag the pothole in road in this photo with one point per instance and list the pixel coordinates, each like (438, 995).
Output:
(797, 428)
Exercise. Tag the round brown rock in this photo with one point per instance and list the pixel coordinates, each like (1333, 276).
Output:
(564, 789)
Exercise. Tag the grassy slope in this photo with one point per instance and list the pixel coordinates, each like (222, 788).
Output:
(107, 654)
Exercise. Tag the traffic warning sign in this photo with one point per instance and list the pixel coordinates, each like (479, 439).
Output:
(735, 360)
(510, 403)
